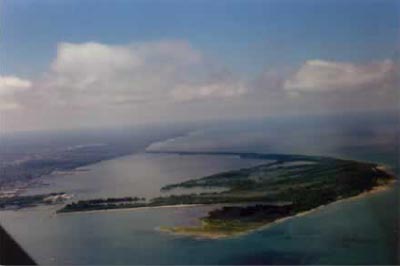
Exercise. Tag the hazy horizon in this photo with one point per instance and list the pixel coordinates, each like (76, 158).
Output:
(93, 64)
(174, 132)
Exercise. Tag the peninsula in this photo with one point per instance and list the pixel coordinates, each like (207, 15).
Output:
(285, 185)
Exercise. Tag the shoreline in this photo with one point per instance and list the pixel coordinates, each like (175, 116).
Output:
(137, 208)
(374, 190)
(152, 207)
(210, 235)
(201, 231)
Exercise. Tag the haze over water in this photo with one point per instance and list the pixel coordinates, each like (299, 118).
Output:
(88, 89)
(361, 231)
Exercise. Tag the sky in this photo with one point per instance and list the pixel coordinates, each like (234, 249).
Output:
(84, 63)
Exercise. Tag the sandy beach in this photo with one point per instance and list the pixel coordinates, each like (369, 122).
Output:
(211, 235)
(136, 209)
(217, 235)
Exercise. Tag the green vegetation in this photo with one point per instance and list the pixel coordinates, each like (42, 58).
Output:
(305, 182)
(224, 222)
(214, 229)
(104, 204)
(285, 186)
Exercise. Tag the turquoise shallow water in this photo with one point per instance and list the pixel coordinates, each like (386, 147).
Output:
(361, 231)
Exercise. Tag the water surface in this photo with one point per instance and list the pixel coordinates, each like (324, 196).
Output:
(349, 232)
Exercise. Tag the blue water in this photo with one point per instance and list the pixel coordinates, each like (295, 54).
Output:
(354, 232)
(362, 231)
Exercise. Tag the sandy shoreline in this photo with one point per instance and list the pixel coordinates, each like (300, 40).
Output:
(373, 190)
(137, 208)
(209, 235)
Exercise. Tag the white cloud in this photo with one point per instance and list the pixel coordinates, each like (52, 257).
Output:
(10, 87)
(206, 91)
(93, 58)
(97, 74)
(319, 76)
(99, 84)
(11, 84)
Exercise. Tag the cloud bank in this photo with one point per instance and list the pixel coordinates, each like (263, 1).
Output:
(320, 76)
(97, 74)
(170, 80)
(10, 87)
